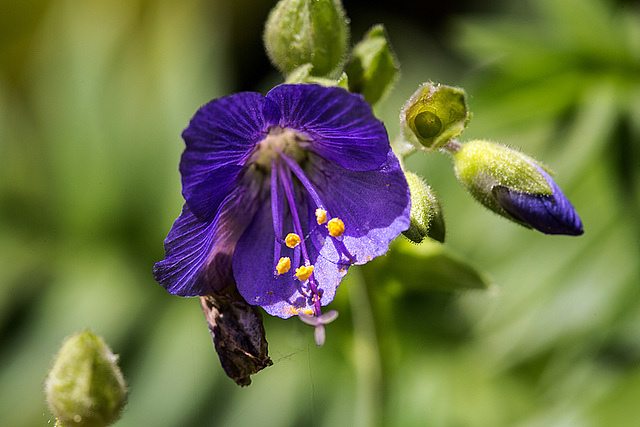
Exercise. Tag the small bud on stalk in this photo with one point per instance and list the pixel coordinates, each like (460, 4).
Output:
(85, 386)
(300, 32)
(426, 213)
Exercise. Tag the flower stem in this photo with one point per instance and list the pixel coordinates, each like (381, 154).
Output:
(369, 400)
(453, 146)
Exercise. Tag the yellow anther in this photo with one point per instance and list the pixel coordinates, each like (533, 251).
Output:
(304, 272)
(321, 216)
(284, 265)
(336, 227)
(292, 240)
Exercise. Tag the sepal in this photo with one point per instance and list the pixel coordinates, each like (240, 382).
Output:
(303, 74)
(434, 115)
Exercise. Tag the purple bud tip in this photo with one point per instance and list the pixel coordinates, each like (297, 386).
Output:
(549, 214)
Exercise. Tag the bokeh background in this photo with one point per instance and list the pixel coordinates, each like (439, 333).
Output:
(93, 97)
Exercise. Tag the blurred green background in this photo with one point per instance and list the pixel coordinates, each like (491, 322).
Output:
(93, 97)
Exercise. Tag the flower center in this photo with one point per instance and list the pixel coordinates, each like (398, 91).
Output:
(279, 141)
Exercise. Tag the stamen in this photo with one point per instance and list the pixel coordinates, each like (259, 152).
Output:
(285, 177)
(295, 218)
(276, 203)
(292, 240)
(336, 227)
(304, 272)
(276, 211)
(299, 173)
(284, 265)
(321, 216)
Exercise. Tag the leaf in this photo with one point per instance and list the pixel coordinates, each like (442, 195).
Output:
(427, 267)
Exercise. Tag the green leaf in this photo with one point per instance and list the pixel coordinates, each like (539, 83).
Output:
(427, 267)
(372, 68)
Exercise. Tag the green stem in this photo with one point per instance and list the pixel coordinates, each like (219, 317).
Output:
(453, 146)
(402, 149)
(369, 400)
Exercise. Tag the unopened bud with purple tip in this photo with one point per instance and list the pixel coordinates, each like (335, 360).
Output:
(515, 186)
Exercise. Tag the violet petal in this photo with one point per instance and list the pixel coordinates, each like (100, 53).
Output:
(373, 205)
(198, 254)
(220, 137)
(341, 124)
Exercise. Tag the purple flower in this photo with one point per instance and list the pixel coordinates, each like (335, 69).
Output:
(550, 214)
(283, 193)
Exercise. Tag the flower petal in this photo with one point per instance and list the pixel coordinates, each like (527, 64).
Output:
(253, 267)
(373, 205)
(552, 214)
(341, 124)
(198, 254)
(220, 137)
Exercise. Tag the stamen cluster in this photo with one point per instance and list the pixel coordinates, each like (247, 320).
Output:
(283, 170)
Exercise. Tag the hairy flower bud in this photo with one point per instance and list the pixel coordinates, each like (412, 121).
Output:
(515, 186)
(434, 115)
(372, 68)
(85, 386)
(301, 32)
(426, 213)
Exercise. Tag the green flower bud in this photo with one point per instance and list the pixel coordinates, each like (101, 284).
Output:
(85, 386)
(426, 213)
(434, 115)
(372, 68)
(302, 74)
(301, 32)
